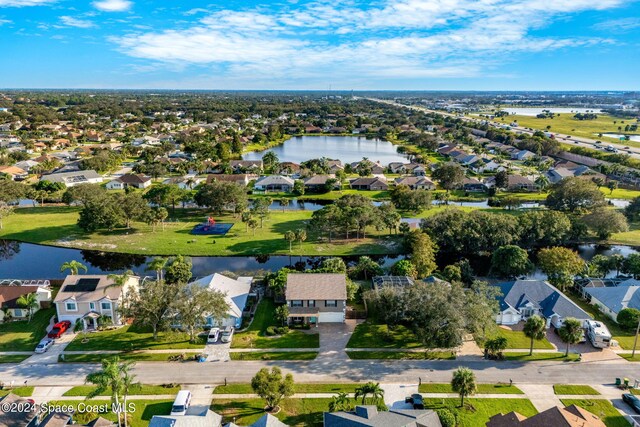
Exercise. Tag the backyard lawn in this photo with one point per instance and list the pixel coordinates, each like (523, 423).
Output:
(295, 412)
(23, 335)
(482, 388)
(478, 411)
(144, 410)
(136, 389)
(242, 388)
(374, 335)
(274, 355)
(602, 408)
(574, 389)
(254, 336)
(129, 338)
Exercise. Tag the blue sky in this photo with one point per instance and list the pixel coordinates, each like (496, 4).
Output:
(317, 44)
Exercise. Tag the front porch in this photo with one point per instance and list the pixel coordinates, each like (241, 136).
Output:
(303, 316)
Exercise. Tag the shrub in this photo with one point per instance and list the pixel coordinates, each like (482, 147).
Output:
(271, 331)
(447, 419)
(628, 318)
(282, 330)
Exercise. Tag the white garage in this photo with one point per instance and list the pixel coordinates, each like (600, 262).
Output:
(331, 317)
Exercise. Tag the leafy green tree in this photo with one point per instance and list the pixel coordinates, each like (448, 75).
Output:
(282, 314)
(510, 261)
(260, 208)
(301, 235)
(133, 207)
(560, 265)
(544, 228)
(5, 211)
(628, 318)
(573, 194)
(463, 383)
(298, 187)
(612, 185)
(604, 222)
(284, 202)
(535, 329)
(333, 265)
(178, 269)
(423, 253)
(152, 304)
(496, 346)
(366, 268)
(270, 161)
(73, 266)
(452, 273)
(157, 215)
(272, 386)
(83, 194)
(196, 304)
(502, 179)
(632, 211)
(253, 224)
(404, 267)
(447, 418)
(599, 266)
(30, 302)
(631, 265)
(100, 213)
(449, 176)
(219, 196)
(570, 332)
(389, 216)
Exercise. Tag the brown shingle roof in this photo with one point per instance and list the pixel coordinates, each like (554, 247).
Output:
(10, 294)
(316, 286)
(571, 416)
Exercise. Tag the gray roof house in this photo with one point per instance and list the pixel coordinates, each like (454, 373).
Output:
(205, 419)
(524, 298)
(274, 183)
(71, 179)
(611, 300)
(365, 416)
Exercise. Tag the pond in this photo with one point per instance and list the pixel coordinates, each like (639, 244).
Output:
(347, 149)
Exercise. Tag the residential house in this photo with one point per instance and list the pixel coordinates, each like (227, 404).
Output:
(318, 183)
(129, 180)
(416, 182)
(556, 175)
(187, 182)
(277, 183)
(376, 168)
(14, 173)
(207, 418)
(611, 300)
(146, 140)
(380, 282)
(484, 164)
(267, 420)
(240, 179)
(522, 155)
(522, 299)
(316, 297)
(9, 296)
(26, 165)
(60, 419)
(416, 169)
(88, 297)
(397, 167)
(369, 184)
(236, 293)
(71, 179)
(571, 416)
(473, 185)
(288, 168)
(16, 411)
(520, 183)
(243, 166)
(364, 416)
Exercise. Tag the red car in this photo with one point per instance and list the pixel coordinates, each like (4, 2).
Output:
(59, 329)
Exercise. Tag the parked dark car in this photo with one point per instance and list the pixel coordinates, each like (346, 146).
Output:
(59, 329)
(416, 400)
(632, 400)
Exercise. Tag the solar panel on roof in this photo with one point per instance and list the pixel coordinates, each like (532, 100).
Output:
(83, 285)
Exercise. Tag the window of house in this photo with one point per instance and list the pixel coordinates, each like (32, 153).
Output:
(296, 303)
(331, 303)
(92, 306)
(71, 306)
(311, 303)
(105, 305)
(17, 312)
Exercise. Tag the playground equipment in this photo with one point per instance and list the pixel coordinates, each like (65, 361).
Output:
(210, 226)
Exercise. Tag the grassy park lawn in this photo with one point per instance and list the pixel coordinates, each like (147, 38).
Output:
(19, 391)
(482, 388)
(274, 355)
(242, 388)
(524, 356)
(295, 412)
(254, 336)
(402, 355)
(136, 389)
(374, 335)
(144, 410)
(478, 411)
(23, 335)
(130, 338)
(136, 356)
(57, 226)
(602, 408)
(631, 237)
(13, 358)
(574, 389)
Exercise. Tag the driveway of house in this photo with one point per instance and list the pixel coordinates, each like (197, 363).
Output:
(218, 352)
(334, 338)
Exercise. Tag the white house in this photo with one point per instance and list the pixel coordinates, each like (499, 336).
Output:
(236, 294)
(524, 298)
(611, 300)
(70, 179)
(9, 296)
(129, 180)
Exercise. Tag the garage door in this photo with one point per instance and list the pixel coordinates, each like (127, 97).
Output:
(507, 319)
(331, 317)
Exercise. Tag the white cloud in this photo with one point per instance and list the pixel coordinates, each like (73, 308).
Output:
(619, 25)
(5, 22)
(113, 5)
(70, 21)
(24, 3)
(337, 40)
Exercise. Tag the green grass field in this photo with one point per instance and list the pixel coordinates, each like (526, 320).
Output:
(567, 125)
(241, 388)
(137, 356)
(602, 408)
(401, 355)
(23, 335)
(274, 355)
(130, 338)
(372, 335)
(26, 391)
(574, 389)
(136, 389)
(254, 336)
(57, 226)
(144, 410)
(518, 340)
(294, 412)
(557, 356)
(482, 388)
(13, 358)
(477, 411)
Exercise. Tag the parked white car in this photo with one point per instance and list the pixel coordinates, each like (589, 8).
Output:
(214, 334)
(44, 345)
(227, 334)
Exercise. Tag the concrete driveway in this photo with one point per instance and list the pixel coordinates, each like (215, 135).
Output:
(51, 356)
(334, 338)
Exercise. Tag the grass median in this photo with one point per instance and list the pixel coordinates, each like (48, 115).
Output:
(243, 388)
(481, 388)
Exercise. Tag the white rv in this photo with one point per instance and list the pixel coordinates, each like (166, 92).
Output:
(598, 334)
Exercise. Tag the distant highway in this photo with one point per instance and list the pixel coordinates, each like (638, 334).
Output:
(565, 139)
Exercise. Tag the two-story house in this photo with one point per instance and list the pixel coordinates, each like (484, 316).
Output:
(88, 297)
(316, 297)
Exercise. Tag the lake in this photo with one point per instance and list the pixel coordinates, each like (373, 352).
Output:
(347, 149)
(524, 111)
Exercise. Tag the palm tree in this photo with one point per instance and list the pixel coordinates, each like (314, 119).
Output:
(119, 280)
(340, 402)
(534, 328)
(158, 264)
(463, 383)
(30, 302)
(570, 332)
(284, 202)
(114, 377)
(370, 388)
(542, 182)
(252, 224)
(73, 266)
(290, 237)
(301, 235)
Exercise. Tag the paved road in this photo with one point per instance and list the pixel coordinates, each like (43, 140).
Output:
(577, 141)
(328, 370)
